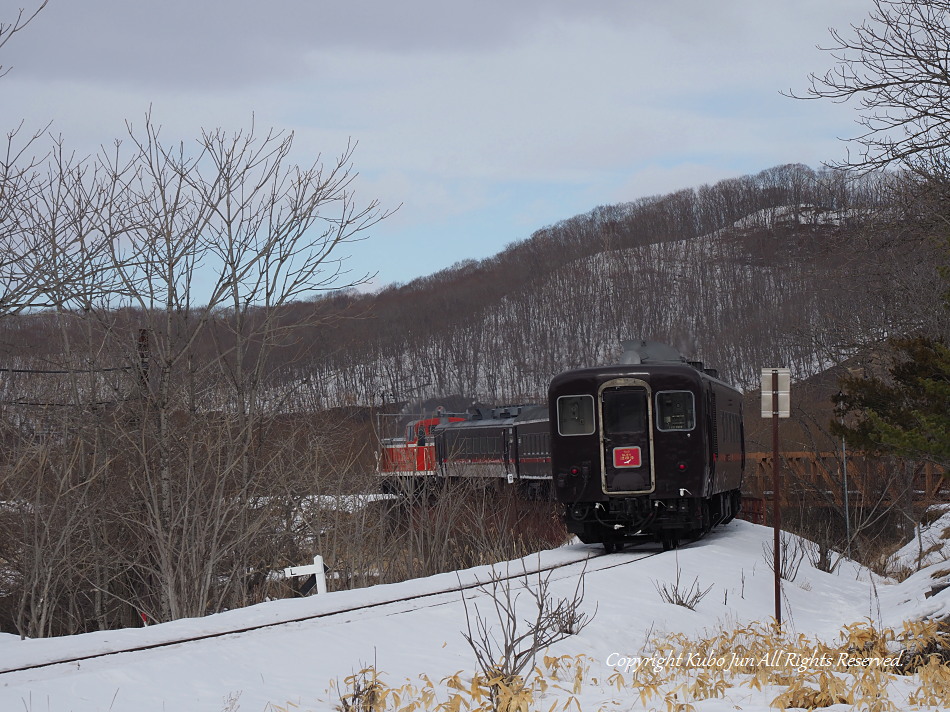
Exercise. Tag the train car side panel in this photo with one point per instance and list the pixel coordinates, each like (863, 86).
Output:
(532, 449)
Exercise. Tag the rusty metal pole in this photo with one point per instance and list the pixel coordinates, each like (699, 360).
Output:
(776, 504)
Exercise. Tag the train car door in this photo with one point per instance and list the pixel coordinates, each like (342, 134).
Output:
(626, 434)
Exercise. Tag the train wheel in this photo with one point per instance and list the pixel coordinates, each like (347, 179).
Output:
(610, 547)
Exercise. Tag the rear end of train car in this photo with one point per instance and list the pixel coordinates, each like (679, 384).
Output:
(645, 450)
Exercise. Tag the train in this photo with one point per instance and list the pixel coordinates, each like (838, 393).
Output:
(649, 448)
(509, 444)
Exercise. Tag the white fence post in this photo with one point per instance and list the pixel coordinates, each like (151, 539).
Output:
(320, 573)
(317, 570)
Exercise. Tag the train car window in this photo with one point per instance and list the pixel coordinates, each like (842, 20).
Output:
(675, 410)
(575, 415)
(625, 411)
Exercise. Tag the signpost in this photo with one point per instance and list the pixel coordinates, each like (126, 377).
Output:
(776, 403)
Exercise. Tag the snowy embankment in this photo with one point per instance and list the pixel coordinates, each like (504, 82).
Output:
(292, 666)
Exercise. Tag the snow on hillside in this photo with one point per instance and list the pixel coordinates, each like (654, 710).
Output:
(292, 666)
(740, 296)
(803, 214)
(930, 543)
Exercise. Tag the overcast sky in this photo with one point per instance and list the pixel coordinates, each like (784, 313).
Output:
(485, 120)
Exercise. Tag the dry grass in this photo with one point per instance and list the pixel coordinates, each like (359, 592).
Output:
(864, 668)
(679, 594)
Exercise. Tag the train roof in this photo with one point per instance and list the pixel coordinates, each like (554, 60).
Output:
(693, 370)
(502, 415)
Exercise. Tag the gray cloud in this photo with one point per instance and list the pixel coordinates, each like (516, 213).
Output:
(208, 42)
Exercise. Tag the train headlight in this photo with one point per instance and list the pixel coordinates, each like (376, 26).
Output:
(681, 466)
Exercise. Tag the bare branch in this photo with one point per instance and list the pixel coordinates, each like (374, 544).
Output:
(506, 645)
(8, 29)
(896, 68)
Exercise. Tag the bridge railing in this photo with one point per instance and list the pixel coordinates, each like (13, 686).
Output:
(817, 478)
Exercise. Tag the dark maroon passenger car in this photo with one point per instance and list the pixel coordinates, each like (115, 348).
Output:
(652, 447)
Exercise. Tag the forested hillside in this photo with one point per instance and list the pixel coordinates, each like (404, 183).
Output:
(786, 267)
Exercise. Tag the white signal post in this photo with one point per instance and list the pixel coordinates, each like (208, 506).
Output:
(776, 403)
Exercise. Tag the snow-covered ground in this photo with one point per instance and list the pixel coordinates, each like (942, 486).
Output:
(295, 666)
(930, 545)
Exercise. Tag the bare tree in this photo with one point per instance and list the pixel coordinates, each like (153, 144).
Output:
(895, 65)
(177, 271)
(211, 246)
(20, 183)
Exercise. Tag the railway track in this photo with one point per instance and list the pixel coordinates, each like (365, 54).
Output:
(591, 562)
